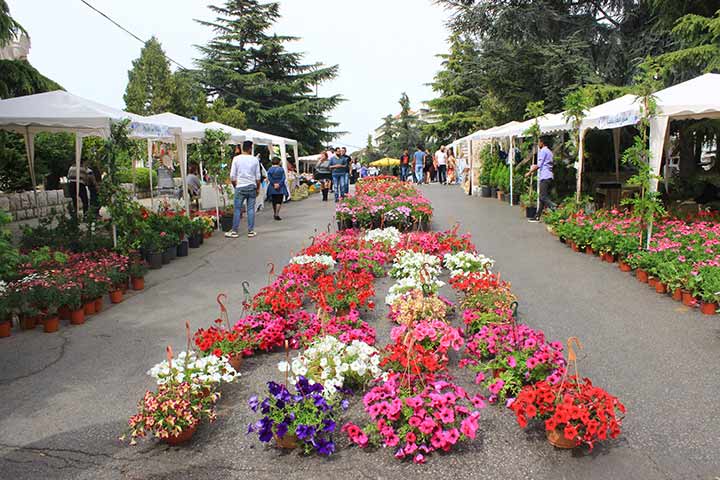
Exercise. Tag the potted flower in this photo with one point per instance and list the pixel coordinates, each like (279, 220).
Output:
(172, 413)
(226, 218)
(137, 271)
(335, 364)
(304, 418)
(73, 299)
(575, 412)
(5, 311)
(94, 286)
(225, 343)
(415, 419)
(118, 276)
(709, 282)
(204, 373)
(168, 245)
(152, 247)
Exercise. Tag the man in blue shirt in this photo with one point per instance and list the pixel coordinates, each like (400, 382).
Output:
(544, 167)
(339, 167)
(419, 161)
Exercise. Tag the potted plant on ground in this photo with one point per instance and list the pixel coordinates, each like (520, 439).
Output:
(5, 311)
(153, 248)
(172, 413)
(226, 218)
(118, 277)
(575, 412)
(72, 298)
(529, 199)
(197, 226)
(137, 271)
(168, 244)
(304, 418)
(709, 289)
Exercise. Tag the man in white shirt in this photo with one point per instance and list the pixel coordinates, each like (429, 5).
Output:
(441, 160)
(245, 177)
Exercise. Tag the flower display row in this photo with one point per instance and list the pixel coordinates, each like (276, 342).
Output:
(682, 259)
(384, 202)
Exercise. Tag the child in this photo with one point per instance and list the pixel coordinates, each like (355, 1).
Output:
(325, 189)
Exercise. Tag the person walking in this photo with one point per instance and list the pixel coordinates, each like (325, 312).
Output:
(419, 164)
(441, 160)
(277, 188)
(451, 167)
(544, 167)
(83, 176)
(404, 165)
(461, 168)
(429, 169)
(338, 167)
(245, 178)
(348, 165)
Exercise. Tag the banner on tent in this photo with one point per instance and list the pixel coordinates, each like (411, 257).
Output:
(147, 130)
(618, 120)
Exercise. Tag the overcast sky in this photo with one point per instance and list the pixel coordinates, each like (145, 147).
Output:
(383, 47)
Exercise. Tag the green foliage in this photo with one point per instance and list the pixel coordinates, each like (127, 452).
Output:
(9, 27)
(18, 78)
(252, 71)
(402, 132)
(140, 176)
(212, 151)
(9, 255)
(150, 83)
(64, 232)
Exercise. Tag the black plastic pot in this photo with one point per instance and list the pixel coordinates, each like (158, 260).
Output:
(493, 192)
(195, 240)
(182, 249)
(485, 191)
(154, 259)
(515, 198)
(530, 212)
(226, 223)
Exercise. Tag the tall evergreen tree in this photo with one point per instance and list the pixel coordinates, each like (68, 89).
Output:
(251, 70)
(150, 82)
(460, 96)
(403, 131)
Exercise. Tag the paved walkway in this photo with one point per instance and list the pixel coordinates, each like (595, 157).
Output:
(64, 398)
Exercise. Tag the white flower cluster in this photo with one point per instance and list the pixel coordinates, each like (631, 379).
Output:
(465, 262)
(325, 260)
(415, 264)
(408, 284)
(390, 236)
(3, 288)
(200, 372)
(335, 364)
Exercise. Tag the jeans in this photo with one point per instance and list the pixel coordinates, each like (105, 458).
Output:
(248, 193)
(404, 170)
(419, 173)
(442, 173)
(340, 185)
(545, 201)
(347, 184)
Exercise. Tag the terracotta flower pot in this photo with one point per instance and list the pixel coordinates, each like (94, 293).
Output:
(575, 247)
(236, 362)
(687, 299)
(64, 312)
(51, 325)
(708, 308)
(77, 317)
(652, 281)
(677, 294)
(5, 328)
(89, 307)
(99, 304)
(660, 287)
(589, 250)
(557, 439)
(116, 296)
(288, 442)
(641, 275)
(184, 436)
(624, 267)
(28, 322)
(138, 283)
(609, 257)
(207, 235)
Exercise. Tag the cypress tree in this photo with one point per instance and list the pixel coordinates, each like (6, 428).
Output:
(150, 82)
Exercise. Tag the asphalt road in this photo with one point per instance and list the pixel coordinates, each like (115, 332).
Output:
(64, 398)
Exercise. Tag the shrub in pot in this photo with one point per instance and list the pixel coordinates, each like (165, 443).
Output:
(153, 248)
(137, 271)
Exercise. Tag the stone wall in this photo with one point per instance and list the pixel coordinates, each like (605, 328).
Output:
(29, 205)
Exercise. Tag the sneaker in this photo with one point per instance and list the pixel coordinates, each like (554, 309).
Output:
(277, 217)
(232, 234)
(251, 234)
(534, 220)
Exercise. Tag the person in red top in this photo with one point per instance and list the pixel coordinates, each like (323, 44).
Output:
(404, 165)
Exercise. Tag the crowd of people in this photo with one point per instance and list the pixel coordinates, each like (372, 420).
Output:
(442, 167)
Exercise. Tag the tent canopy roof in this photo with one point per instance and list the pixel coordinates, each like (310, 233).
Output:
(236, 135)
(192, 131)
(695, 98)
(60, 111)
(269, 138)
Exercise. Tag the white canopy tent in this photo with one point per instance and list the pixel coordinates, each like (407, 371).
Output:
(61, 111)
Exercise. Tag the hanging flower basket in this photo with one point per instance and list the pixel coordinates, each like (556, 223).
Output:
(183, 437)
(557, 439)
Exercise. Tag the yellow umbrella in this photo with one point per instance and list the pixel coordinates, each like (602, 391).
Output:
(386, 162)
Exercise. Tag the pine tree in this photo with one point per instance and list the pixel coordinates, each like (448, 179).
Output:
(402, 131)
(150, 82)
(251, 70)
(460, 97)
